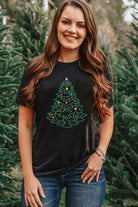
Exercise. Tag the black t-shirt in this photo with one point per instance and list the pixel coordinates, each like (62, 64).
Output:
(66, 134)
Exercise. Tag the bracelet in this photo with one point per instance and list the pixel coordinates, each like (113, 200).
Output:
(103, 153)
(104, 158)
(98, 153)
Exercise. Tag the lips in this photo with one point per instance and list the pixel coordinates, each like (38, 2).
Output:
(70, 37)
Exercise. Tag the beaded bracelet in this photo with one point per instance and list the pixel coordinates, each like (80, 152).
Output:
(104, 158)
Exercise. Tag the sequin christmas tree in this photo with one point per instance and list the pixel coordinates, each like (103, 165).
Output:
(66, 110)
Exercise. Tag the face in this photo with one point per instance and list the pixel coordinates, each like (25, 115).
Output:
(71, 28)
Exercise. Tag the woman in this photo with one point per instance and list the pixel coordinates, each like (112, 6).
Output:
(63, 90)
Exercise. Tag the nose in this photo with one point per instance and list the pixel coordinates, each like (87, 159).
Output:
(72, 29)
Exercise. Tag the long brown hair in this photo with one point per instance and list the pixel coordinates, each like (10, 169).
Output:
(92, 60)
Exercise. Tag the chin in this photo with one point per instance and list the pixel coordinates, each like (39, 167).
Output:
(70, 47)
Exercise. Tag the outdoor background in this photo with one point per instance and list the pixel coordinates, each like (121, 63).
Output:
(24, 28)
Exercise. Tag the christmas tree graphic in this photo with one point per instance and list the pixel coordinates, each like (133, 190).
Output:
(66, 110)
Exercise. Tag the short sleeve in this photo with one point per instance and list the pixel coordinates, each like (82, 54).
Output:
(23, 84)
(110, 98)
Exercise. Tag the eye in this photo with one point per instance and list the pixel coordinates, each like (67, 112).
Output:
(65, 22)
(81, 25)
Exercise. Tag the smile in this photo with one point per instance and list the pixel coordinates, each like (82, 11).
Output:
(70, 37)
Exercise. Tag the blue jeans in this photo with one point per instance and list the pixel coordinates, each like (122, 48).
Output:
(78, 194)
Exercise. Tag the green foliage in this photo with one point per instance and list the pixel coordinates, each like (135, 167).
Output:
(29, 35)
(122, 163)
(10, 72)
(57, 3)
(9, 8)
(30, 30)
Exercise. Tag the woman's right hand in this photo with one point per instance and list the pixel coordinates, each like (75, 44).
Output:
(31, 188)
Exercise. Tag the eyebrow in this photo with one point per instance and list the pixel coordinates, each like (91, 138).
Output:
(70, 20)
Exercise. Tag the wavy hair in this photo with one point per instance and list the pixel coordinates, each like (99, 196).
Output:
(92, 60)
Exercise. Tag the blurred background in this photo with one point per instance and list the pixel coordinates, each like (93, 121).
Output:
(24, 28)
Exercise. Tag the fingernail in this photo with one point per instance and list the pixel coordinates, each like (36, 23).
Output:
(43, 196)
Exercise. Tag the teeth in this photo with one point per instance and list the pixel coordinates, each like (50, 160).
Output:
(72, 38)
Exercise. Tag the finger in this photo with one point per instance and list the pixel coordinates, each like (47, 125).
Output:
(26, 201)
(37, 199)
(29, 200)
(85, 173)
(32, 201)
(91, 178)
(40, 189)
(97, 176)
(87, 176)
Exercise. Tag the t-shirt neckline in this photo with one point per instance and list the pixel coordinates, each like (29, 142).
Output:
(68, 63)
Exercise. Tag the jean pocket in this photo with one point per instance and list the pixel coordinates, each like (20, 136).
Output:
(101, 175)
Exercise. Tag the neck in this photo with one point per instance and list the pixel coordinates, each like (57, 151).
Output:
(68, 55)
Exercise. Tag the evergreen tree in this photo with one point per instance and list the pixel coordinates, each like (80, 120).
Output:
(111, 26)
(9, 8)
(30, 30)
(10, 72)
(121, 167)
(66, 110)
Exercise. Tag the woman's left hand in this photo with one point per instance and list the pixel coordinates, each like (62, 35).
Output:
(95, 163)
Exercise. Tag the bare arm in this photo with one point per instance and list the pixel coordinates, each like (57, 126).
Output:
(106, 131)
(31, 183)
(95, 161)
(25, 128)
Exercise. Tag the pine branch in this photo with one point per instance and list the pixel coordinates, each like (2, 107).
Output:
(135, 27)
(134, 40)
(4, 28)
(9, 86)
(5, 77)
(4, 52)
(129, 111)
(3, 60)
(127, 72)
(134, 173)
(130, 60)
(6, 138)
(134, 15)
(19, 64)
(128, 185)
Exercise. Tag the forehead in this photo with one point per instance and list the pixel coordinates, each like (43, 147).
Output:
(73, 13)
